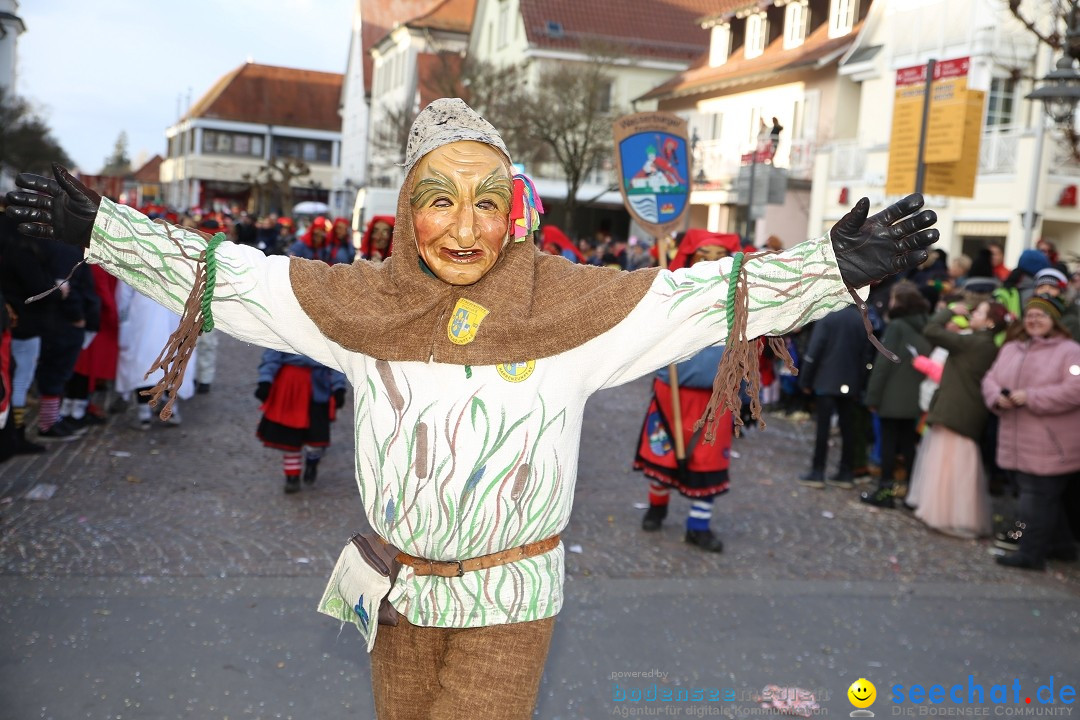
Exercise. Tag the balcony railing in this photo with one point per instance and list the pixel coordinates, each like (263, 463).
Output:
(800, 158)
(715, 163)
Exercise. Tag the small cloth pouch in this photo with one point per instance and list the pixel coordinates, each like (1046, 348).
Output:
(358, 587)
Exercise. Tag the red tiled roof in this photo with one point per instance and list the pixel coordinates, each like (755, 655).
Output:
(378, 17)
(701, 78)
(150, 172)
(269, 95)
(449, 15)
(663, 29)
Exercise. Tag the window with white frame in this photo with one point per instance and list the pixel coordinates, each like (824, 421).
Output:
(1001, 103)
(757, 32)
(796, 20)
(719, 44)
(842, 15)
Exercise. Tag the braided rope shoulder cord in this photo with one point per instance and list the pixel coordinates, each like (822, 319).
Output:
(196, 319)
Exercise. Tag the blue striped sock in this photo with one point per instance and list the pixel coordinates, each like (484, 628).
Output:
(700, 514)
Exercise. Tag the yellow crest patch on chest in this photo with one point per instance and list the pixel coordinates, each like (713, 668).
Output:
(516, 372)
(465, 321)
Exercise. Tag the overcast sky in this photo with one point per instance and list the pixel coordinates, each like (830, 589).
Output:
(96, 68)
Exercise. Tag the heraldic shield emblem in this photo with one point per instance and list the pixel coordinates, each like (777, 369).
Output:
(465, 321)
(654, 168)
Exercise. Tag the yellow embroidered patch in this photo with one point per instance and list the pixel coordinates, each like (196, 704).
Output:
(465, 321)
(516, 372)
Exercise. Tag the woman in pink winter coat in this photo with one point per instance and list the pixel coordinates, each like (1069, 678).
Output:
(1034, 387)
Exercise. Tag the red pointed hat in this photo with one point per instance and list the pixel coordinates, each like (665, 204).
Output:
(697, 238)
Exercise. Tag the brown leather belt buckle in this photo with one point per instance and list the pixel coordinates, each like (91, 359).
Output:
(460, 568)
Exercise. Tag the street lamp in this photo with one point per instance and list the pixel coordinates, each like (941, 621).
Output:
(1060, 91)
(1059, 94)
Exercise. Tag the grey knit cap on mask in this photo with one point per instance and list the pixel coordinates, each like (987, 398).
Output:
(444, 121)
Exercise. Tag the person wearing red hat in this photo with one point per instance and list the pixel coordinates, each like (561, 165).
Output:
(316, 243)
(702, 474)
(554, 241)
(377, 243)
(341, 240)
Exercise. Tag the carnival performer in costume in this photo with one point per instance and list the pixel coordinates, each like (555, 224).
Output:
(317, 244)
(341, 240)
(377, 242)
(703, 474)
(300, 399)
(553, 241)
(471, 354)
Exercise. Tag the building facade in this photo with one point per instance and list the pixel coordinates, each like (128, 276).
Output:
(760, 103)
(11, 27)
(642, 43)
(1015, 176)
(414, 63)
(252, 117)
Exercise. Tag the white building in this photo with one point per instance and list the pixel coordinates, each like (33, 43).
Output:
(252, 115)
(1012, 177)
(652, 42)
(11, 27)
(765, 60)
(352, 174)
(407, 64)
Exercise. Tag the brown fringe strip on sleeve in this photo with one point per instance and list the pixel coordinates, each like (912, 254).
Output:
(173, 358)
(739, 363)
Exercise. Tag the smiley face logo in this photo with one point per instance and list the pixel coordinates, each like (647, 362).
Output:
(862, 693)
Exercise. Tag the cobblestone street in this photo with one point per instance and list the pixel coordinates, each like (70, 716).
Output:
(169, 576)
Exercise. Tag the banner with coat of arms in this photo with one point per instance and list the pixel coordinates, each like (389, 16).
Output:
(651, 153)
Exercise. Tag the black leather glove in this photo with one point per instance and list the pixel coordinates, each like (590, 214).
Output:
(263, 391)
(871, 248)
(63, 209)
(339, 398)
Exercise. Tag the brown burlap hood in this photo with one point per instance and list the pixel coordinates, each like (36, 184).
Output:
(538, 305)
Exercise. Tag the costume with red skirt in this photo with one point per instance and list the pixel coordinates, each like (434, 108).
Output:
(705, 472)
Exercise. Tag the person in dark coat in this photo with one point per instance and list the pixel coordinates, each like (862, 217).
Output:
(834, 368)
(24, 273)
(61, 344)
(893, 392)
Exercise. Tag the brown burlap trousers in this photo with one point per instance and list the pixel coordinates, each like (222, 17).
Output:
(484, 673)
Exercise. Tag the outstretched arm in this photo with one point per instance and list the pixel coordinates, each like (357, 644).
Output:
(689, 309)
(250, 297)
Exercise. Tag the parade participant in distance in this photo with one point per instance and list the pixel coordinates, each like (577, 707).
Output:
(378, 239)
(703, 473)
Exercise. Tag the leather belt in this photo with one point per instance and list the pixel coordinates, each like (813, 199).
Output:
(457, 568)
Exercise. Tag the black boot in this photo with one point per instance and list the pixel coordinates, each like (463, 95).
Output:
(22, 446)
(705, 539)
(1019, 560)
(292, 484)
(311, 470)
(654, 518)
(882, 498)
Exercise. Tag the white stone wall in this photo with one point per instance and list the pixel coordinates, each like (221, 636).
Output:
(9, 41)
